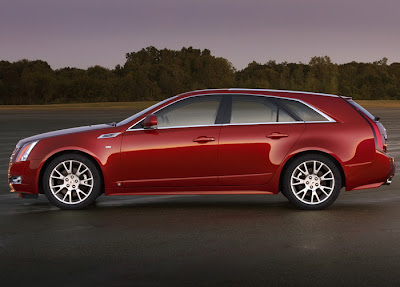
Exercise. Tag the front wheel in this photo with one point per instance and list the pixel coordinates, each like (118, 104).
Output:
(72, 181)
(312, 182)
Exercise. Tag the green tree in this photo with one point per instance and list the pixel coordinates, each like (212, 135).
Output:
(152, 74)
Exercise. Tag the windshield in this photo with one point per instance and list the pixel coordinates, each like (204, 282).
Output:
(131, 118)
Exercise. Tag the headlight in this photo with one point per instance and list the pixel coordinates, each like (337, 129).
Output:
(25, 151)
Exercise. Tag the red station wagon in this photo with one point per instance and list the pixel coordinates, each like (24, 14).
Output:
(227, 141)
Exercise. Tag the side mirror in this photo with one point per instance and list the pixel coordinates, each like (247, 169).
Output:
(150, 121)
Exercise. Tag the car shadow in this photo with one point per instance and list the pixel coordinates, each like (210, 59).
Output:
(245, 203)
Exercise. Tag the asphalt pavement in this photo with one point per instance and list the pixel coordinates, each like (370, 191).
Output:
(190, 240)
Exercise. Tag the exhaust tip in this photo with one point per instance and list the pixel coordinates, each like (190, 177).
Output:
(388, 181)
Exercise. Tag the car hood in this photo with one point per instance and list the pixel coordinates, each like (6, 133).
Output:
(63, 132)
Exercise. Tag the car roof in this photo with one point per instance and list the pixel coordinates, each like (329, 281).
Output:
(281, 93)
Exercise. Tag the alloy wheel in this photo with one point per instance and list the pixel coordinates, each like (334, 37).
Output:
(312, 182)
(71, 182)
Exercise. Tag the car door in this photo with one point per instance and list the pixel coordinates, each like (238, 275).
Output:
(254, 141)
(181, 151)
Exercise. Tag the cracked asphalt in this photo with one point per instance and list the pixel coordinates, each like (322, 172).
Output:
(190, 240)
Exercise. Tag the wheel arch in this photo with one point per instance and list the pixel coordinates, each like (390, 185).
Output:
(57, 154)
(307, 152)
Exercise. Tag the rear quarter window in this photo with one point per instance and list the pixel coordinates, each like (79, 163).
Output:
(301, 110)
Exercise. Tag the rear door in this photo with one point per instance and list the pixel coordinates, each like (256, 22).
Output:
(256, 137)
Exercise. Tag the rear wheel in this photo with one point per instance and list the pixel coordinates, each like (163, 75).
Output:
(312, 182)
(72, 181)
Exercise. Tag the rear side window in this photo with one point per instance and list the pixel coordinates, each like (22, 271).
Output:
(301, 110)
(284, 116)
(253, 109)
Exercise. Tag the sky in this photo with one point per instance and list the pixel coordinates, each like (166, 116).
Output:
(84, 33)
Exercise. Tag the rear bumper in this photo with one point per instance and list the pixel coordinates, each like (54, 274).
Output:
(391, 172)
(372, 174)
(388, 182)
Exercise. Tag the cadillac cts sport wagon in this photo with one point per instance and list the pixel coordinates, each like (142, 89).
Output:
(308, 146)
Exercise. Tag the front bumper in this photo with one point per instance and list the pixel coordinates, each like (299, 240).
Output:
(15, 179)
(22, 176)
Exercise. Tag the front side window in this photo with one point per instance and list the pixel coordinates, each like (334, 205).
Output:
(131, 118)
(255, 109)
(194, 111)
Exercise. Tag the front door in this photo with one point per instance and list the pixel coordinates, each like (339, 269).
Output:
(181, 151)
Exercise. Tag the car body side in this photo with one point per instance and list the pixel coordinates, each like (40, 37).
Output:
(348, 140)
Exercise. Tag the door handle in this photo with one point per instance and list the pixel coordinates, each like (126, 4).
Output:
(204, 139)
(277, 135)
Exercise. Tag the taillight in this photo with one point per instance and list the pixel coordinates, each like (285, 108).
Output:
(379, 140)
(378, 129)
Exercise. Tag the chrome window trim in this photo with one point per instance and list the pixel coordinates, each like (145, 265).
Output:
(319, 122)
(176, 127)
(243, 124)
(278, 123)
(329, 119)
(192, 126)
(266, 123)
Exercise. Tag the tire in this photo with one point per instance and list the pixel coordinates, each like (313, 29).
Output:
(72, 181)
(312, 182)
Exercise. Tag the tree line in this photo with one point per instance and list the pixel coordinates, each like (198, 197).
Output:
(152, 74)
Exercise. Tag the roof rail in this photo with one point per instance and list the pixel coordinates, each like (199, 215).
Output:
(283, 91)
